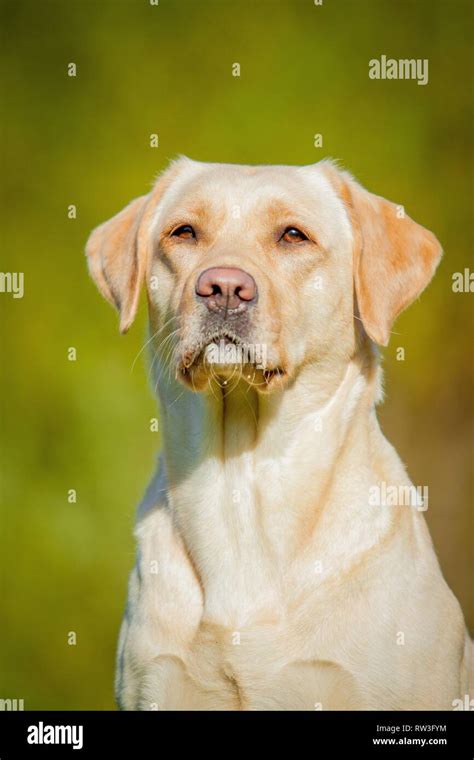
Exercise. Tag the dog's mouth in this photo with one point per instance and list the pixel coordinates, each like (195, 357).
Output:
(226, 359)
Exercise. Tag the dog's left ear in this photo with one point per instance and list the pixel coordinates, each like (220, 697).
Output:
(116, 258)
(394, 257)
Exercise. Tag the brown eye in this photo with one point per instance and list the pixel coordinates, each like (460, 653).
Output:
(293, 235)
(185, 231)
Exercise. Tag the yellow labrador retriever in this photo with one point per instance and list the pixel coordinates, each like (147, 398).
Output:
(270, 575)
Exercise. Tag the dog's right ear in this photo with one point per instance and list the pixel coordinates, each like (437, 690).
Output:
(117, 250)
(117, 260)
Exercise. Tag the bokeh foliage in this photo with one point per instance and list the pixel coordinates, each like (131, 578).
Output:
(85, 425)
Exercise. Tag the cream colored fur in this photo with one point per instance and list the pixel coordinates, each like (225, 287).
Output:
(265, 579)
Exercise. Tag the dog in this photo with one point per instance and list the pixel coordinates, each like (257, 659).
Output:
(266, 578)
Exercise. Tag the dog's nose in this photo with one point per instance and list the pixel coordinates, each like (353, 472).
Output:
(226, 288)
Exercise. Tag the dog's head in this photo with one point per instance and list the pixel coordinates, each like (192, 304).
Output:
(260, 270)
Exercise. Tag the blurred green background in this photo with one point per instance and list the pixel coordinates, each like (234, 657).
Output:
(167, 69)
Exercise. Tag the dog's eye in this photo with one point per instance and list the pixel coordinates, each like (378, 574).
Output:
(293, 235)
(185, 231)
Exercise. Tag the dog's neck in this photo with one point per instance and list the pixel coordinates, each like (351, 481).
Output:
(257, 482)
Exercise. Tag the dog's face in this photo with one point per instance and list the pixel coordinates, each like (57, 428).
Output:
(254, 268)
(251, 271)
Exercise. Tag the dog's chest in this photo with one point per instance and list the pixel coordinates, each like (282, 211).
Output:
(231, 660)
(259, 667)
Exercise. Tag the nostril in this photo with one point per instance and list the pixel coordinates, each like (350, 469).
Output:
(246, 292)
(216, 290)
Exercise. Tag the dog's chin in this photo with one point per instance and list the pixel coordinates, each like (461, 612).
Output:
(199, 377)
(201, 370)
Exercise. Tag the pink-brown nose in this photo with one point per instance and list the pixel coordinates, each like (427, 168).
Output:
(224, 288)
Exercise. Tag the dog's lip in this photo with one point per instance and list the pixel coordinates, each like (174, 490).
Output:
(193, 355)
(196, 359)
(270, 374)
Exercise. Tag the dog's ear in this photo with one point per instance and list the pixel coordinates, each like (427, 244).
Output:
(117, 250)
(394, 257)
(117, 260)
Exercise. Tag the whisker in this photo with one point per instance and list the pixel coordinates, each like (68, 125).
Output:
(150, 339)
(167, 353)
